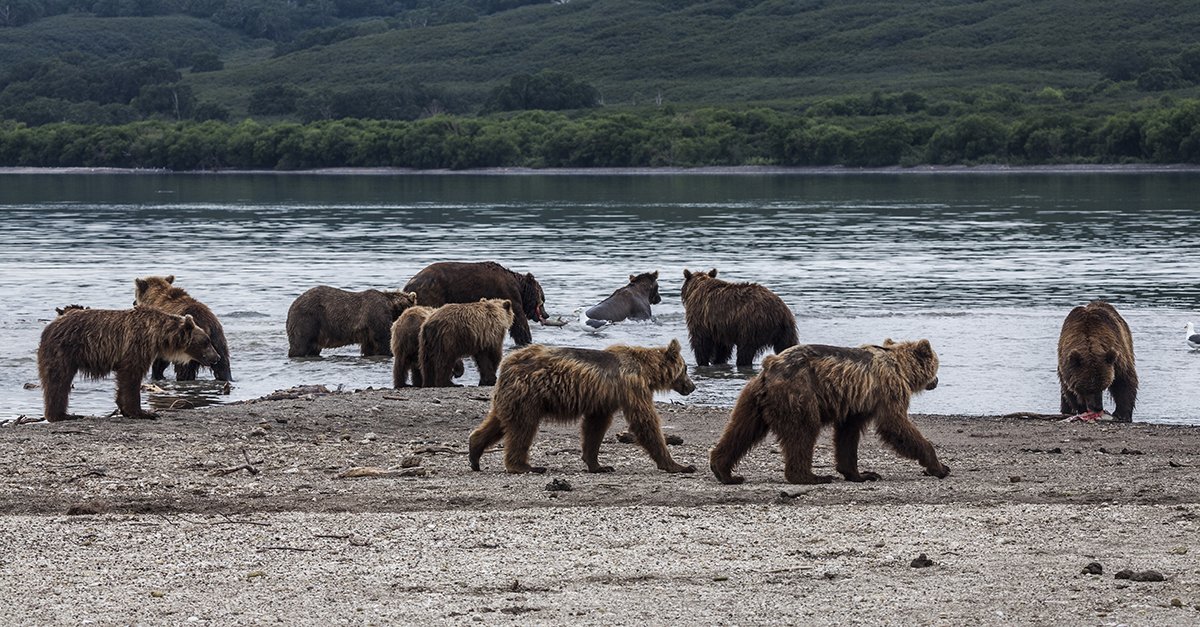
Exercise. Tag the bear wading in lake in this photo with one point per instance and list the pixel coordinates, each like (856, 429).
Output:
(406, 345)
(565, 384)
(97, 342)
(631, 302)
(161, 293)
(457, 282)
(1095, 353)
(808, 387)
(722, 315)
(459, 330)
(326, 317)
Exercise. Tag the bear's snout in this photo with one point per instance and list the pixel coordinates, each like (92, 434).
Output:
(684, 385)
(932, 384)
(210, 357)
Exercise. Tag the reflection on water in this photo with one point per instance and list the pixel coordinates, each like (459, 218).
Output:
(985, 266)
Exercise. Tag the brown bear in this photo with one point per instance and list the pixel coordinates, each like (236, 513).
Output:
(100, 341)
(807, 387)
(160, 293)
(1095, 353)
(326, 317)
(563, 384)
(456, 282)
(723, 315)
(459, 330)
(406, 344)
(630, 302)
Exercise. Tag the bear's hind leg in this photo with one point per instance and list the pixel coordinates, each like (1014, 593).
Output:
(593, 428)
(745, 429)
(56, 389)
(488, 433)
(846, 437)
(518, 437)
(721, 353)
(746, 355)
(797, 444)
(158, 372)
(702, 348)
(488, 361)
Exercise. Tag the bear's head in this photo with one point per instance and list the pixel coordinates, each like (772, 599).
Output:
(184, 341)
(400, 301)
(917, 362)
(650, 282)
(692, 280)
(502, 309)
(673, 355)
(533, 299)
(1088, 373)
(154, 290)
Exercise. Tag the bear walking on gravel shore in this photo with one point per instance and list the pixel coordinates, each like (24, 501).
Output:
(808, 387)
(406, 345)
(326, 317)
(459, 330)
(99, 341)
(1095, 353)
(722, 315)
(161, 293)
(458, 282)
(564, 384)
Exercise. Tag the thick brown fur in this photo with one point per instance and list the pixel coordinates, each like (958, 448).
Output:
(406, 344)
(326, 317)
(1095, 353)
(457, 282)
(631, 302)
(563, 384)
(459, 330)
(99, 341)
(722, 315)
(811, 386)
(161, 294)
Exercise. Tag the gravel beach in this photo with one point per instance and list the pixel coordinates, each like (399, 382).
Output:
(251, 513)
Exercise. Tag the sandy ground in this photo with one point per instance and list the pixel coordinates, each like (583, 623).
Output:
(1029, 504)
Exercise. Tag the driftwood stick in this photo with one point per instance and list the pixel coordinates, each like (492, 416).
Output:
(1035, 416)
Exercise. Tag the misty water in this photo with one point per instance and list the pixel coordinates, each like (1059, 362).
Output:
(984, 265)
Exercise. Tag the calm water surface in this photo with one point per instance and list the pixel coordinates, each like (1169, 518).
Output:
(985, 266)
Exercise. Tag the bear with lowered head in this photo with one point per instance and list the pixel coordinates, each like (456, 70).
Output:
(99, 341)
(1095, 353)
(326, 317)
(458, 282)
(722, 315)
(564, 384)
(161, 293)
(809, 387)
(459, 330)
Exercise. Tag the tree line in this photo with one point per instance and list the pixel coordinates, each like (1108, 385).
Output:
(1166, 133)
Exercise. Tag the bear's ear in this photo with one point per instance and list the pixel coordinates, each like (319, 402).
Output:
(631, 278)
(171, 279)
(673, 348)
(1110, 357)
(713, 273)
(141, 286)
(686, 275)
(529, 276)
(888, 342)
(654, 274)
(507, 305)
(484, 299)
(412, 296)
(924, 348)
(188, 322)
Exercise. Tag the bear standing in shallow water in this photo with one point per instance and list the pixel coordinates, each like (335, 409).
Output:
(808, 387)
(1095, 353)
(99, 341)
(459, 330)
(161, 293)
(564, 384)
(457, 282)
(406, 347)
(722, 315)
(326, 317)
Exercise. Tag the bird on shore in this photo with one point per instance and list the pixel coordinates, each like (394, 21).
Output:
(589, 324)
(1193, 338)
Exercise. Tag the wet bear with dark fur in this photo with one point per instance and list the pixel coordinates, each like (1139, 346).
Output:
(452, 332)
(631, 302)
(326, 317)
(457, 282)
(564, 384)
(99, 341)
(809, 387)
(406, 345)
(1095, 353)
(161, 293)
(722, 315)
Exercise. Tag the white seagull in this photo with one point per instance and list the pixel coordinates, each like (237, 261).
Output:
(1193, 338)
(589, 324)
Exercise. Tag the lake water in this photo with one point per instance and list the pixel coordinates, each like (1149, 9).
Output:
(984, 265)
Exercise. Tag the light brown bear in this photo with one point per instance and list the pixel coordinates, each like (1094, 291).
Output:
(161, 293)
(564, 384)
(326, 317)
(457, 330)
(406, 345)
(722, 315)
(99, 341)
(808, 387)
(1095, 353)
